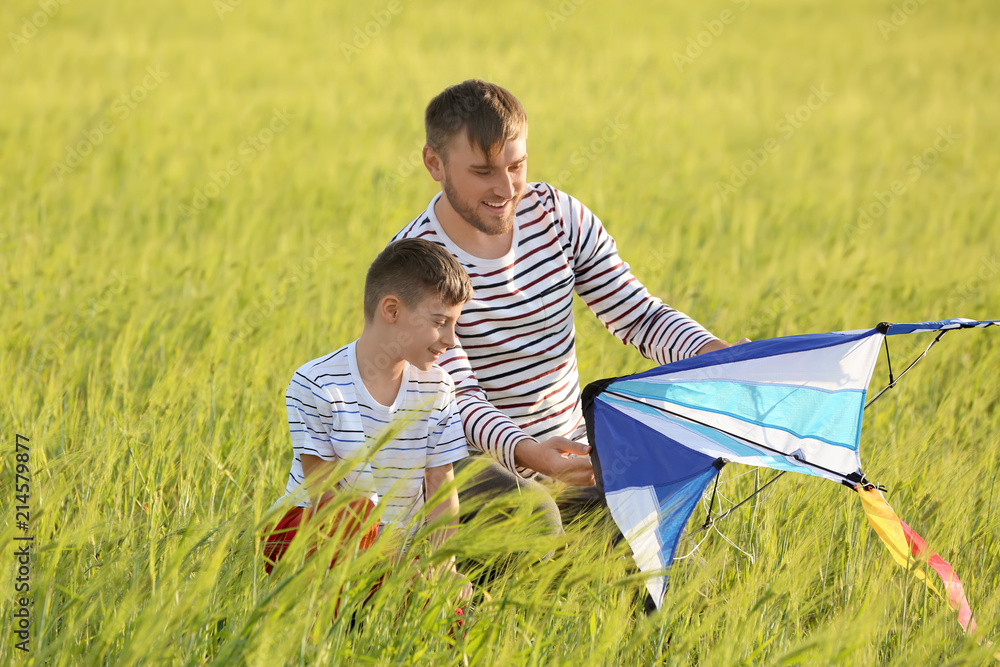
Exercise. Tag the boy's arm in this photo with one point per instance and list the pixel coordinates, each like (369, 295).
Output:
(312, 414)
(316, 472)
(447, 509)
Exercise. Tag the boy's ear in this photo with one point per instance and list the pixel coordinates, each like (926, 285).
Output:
(434, 163)
(388, 309)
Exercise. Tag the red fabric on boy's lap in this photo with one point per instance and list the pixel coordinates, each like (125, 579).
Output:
(348, 521)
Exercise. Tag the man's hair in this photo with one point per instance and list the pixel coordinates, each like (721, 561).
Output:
(490, 115)
(412, 269)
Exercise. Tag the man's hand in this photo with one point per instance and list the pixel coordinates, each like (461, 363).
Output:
(555, 457)
(719, 345)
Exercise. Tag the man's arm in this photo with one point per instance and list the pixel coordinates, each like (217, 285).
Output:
(486, 428)
(719, 345)
(491, 431)
(561, 458)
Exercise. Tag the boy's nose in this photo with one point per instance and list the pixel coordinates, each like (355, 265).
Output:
(449, 338)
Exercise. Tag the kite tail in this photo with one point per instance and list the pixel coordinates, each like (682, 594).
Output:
(911, 551)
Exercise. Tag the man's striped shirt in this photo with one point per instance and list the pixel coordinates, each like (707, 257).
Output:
(515, 366)
(332, 415)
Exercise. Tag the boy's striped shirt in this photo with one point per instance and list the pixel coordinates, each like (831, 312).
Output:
(331, 415)
(515, 367)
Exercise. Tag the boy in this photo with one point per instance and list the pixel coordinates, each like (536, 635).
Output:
(383, 392)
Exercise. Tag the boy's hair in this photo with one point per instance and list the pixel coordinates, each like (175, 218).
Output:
(490, 115)
(411, 269)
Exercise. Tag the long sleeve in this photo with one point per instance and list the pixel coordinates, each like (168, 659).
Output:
(486, 428)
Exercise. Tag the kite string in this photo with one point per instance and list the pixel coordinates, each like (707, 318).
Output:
(733, 544)
(696, 547)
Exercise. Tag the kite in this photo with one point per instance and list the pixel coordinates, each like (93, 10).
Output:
(793, 404)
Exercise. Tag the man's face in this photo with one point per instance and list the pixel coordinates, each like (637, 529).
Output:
(428, 329)
(485, 192)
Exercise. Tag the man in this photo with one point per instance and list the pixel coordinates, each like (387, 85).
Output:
(527, 247)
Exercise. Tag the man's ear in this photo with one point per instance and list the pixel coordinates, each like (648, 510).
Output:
(388, 309)
(434, 162)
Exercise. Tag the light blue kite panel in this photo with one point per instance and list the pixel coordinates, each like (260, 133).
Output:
(805, 412)
(731, 448)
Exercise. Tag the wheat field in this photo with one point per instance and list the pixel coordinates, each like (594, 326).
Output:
(192, 191)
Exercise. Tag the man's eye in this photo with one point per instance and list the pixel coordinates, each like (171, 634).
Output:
(481, 173)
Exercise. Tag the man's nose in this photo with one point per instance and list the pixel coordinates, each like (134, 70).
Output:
(507, 187)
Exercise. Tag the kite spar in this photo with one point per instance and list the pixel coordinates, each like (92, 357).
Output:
(793, 404)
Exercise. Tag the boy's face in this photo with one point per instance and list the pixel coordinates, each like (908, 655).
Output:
(484, 192)
(427, 330)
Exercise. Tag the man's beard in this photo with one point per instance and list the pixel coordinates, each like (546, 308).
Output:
(471, 215)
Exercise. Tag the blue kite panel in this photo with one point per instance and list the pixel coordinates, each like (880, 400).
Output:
(758, 350)
(952, 323)
(677, 503)
(632, 454)
(805, 412)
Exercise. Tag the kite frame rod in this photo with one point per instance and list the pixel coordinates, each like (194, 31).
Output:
(892, 382)
(709, 521)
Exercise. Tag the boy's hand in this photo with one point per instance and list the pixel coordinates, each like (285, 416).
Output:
(558, 457)
(465, 593)
(447, 571)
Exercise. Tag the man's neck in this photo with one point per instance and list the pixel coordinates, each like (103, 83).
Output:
(381, 373)
(467, 237)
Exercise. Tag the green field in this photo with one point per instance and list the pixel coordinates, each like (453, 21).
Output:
(191, 192)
